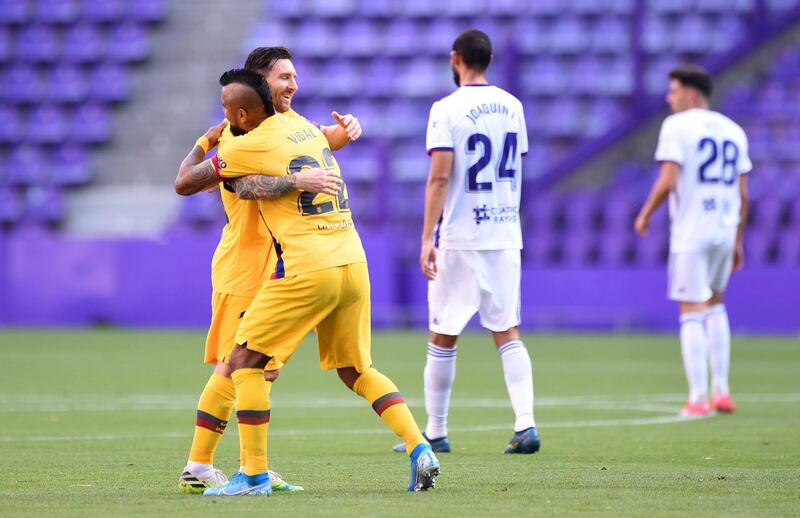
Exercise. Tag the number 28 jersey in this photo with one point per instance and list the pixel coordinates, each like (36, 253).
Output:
(484, 127)
(310, 231)
(712, 152)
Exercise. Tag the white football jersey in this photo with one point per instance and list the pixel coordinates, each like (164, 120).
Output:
(712, 152)
(484, 126)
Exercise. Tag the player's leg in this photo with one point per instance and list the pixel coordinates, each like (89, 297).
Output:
(499, 312)
(718, 330)
(344, 339)
(452, 300)
(216, 401)
(688, 285)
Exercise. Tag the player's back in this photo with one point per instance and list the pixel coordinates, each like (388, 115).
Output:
(310, 231)
(485, 127)
(241, 259)
(712, 152)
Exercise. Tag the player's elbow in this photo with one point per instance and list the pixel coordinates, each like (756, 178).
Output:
(182, 187)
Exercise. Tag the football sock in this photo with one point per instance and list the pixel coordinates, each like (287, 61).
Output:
(213, 412)
(242, 456)
(694, 348)
(518, 373)
(439, 374)
(390, 406)
(718, 332)
(252, 414)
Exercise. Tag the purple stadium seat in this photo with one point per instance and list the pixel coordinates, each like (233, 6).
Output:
(652, 250)
(407, 201)
(465, 8)
(546, 7)
(787, 65)
(269, 33)
(342, 78)
(5, 44)
(380, 73)
(738, 102)
(619, 76)
(359, 164)
(46, 124)
(601, 116)
(611, 34)
(11, 206)
(769, 213)
(563, 117)
(615, 249)
(91, 124)
(543, 213)
(788, 252)
(128, 43)
(581, 212)
(406, 119)
(669, 6)
(408, 161)
(407, 80)
(36, 44)
(15, 12)
(422, 9)
(103, 11)
(82, 43)
(334, 8)
(202, 209)
(589, 7)
(11, 131)
(619, 210)
(70, 166)
(505, 8)
(690, 34)
(316, 38)
(724, 6)
(27, 165)
(148, 11)
(655, 76)
(286, 9)
(440, 35)
(44, 205)
(569, 36)
(727, 32)
(577, 248)
(362, 38)
(532, 35)
(656, 34)
(780, 6)
(542, 247)
(587, 65)
(621, 6)
(759, 248)
(403, 38)
(377, 8)
(22, 84)
(109, 83)
(56, 11)
(66, 84)
(545, 75)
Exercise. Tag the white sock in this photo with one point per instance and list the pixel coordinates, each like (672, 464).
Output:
(198, 468)
(439, 374)
(518, 373)
(695, 355)
(718, 332)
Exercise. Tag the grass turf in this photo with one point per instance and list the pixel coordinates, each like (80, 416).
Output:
(98, 423)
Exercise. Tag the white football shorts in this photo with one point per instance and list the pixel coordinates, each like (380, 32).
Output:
(469, 281)
(695, 276)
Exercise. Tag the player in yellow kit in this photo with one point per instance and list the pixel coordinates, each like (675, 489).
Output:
(320, 281)
(241, 262)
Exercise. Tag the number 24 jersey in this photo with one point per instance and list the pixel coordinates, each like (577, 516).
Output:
(310, 231)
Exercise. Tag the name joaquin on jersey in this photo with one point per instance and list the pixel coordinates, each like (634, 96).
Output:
(500, 214)
(487, 109)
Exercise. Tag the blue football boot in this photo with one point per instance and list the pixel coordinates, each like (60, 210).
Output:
(424, 468)
(243, 485)
(440, 445)
(526, 441)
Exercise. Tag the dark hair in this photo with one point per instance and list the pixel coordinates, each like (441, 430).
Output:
(265, 57)
(252, 79)
(693, 76)
(475, 49)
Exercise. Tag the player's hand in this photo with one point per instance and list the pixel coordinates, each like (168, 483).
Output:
(641, 225)
(320, 180)
(349, 123)
(738, 257)
(214, 132)
(427, 260)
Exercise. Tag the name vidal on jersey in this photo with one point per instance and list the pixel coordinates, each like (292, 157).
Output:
(481, 109)
(300, 136)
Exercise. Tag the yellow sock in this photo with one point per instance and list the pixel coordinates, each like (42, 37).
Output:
(213, 413)
(390, 406)
(242, 456)
(252, 414)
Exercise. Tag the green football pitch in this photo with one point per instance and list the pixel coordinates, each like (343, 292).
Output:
(99, 423)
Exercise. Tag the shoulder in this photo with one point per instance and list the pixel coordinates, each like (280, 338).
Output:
(732, 124)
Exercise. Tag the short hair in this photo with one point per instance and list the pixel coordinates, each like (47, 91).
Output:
(265, 57)
(475, 48)
(252, 79)
(693, 76)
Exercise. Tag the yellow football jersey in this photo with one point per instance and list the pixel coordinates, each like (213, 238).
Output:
(242, 259)
(310, 231)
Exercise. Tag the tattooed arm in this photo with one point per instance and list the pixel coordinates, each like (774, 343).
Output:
(195, 174)
(261, 187)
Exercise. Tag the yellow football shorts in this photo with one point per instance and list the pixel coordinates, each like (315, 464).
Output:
(226, 314)
(334, 301)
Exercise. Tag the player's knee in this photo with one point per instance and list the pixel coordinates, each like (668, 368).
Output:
(223, 369)
(440, 340)
(716, 298)
(503, 337)
(348, 375)
(272, 375)
(244, 358)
